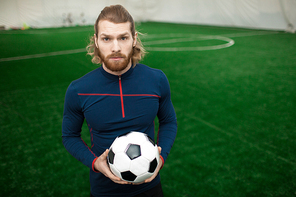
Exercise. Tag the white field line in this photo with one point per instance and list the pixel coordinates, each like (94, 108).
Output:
(229, 43)
(169, 41)
(242, 139)
(189, 38)
(43, 55)
(195, 37)
(57, 31)
(245, 34)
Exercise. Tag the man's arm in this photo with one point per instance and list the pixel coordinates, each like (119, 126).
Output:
(167, 119)
(73, 119)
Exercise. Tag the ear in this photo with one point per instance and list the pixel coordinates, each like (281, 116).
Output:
(135, 39)
(96, 41)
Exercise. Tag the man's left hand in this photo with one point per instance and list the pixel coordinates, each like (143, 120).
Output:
(156, 170)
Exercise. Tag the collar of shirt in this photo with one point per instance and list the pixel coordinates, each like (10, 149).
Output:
(115, 77)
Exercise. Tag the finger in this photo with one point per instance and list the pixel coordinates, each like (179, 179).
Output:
(109, 174)
(120, 181)
(123, 182)
(105, 154)
(116, 179)
(113, 177)
(159, 149)
(138, 183)
(152, 177)
(149, 179)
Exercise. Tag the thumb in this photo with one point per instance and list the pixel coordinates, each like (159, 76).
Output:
(104, 155)
(159, 149)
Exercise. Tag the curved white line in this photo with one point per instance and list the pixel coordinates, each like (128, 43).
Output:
(229, 43)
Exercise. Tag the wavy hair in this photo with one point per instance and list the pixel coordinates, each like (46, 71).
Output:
(115, 14)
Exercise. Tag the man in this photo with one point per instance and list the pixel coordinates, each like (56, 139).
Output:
(116, 98)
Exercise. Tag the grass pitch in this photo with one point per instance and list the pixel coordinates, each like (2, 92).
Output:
(233, 91)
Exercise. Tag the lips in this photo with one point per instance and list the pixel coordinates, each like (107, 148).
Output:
(116, 56)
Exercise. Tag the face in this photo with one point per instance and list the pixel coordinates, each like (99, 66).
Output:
(115, 43)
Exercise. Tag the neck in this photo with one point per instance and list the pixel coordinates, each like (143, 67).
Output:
(117, 72)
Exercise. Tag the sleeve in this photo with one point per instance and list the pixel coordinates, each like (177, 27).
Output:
(73, 119)
(167, 119)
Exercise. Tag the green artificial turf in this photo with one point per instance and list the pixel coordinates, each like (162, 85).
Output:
(235, 108)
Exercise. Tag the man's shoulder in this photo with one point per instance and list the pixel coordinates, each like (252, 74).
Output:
(92, 75)
(148, 69)
(85, 81)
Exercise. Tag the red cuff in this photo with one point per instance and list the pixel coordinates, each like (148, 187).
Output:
(162, 161)
(93, 165)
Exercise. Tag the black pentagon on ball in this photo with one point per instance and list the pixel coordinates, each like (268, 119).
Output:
(128, 176)
(133, 151)
(151, 140)
(111, 156)
(153, 165)
(124, 134)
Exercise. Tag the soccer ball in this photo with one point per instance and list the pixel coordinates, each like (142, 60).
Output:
(133, 157)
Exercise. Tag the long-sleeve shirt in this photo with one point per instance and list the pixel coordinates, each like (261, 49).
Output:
(114, 105)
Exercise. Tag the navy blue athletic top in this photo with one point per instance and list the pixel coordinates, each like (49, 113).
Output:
(114, 105)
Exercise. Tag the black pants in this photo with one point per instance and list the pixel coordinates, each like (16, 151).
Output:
(154, 192)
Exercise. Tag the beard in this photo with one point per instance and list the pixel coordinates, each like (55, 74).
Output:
(119, 65)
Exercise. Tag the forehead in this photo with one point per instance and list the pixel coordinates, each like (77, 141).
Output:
(110, 28)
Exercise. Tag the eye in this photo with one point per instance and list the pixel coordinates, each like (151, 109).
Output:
(123, 38)
(106, 39)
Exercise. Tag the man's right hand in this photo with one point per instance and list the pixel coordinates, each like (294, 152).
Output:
(101, 165)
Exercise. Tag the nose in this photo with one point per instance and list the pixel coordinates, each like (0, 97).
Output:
(116, 47)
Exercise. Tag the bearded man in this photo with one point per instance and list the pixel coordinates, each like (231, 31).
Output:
(116, 98)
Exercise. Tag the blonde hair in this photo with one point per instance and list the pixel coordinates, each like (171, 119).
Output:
(115, 14)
